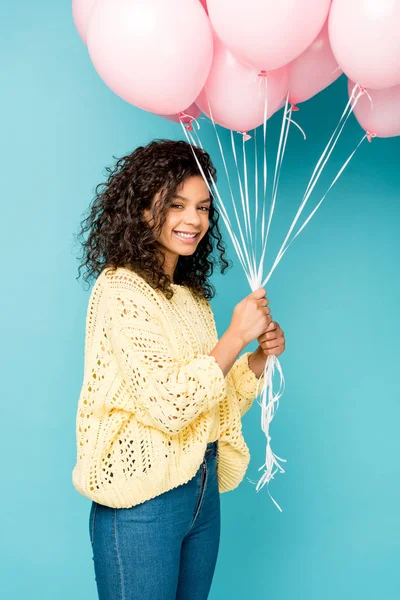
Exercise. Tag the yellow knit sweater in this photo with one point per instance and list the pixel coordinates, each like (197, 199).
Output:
(152, 397)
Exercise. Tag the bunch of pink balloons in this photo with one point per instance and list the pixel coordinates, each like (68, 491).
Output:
(178, 58)
(365, 40)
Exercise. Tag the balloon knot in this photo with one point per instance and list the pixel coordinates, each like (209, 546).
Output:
(294, 107)
(262, 73)
(185, 118)
(370, 136)
(245, 135)
(362, 89)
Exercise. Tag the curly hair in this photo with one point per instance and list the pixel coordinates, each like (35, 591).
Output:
(120, 236)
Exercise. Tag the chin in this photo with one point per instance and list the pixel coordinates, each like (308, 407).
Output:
(185, 251)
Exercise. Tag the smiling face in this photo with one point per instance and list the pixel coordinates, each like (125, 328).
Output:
(188, 214)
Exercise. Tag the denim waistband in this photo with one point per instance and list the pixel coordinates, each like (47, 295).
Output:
(212, 448)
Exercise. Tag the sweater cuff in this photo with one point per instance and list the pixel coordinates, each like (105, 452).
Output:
(215, 380)
(245, 380)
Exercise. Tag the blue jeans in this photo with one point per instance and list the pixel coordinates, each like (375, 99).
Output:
(164, 548)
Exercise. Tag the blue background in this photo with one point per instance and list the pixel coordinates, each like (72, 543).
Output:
(336, 295)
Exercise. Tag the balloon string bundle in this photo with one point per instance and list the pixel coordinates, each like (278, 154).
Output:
(246, 249)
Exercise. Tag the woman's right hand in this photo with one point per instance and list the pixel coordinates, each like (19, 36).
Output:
(251, 316)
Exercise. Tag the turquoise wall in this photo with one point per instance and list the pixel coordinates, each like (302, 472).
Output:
(336, 294)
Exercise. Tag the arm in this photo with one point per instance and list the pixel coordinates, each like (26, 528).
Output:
(227, 350)
(247, 372)
(257, 360)
(164, 393)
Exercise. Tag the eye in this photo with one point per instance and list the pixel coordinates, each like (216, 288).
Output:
(202, 207)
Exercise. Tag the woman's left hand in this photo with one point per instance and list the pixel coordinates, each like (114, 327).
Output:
(273, 340)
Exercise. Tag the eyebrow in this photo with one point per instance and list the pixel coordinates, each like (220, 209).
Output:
(201, 201)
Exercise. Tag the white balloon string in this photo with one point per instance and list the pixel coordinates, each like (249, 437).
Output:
(268, 409)
(256, 183)
(368, 95)
(220, 204)
(278, 165)
(265, 164)
(317, 173)
(246, 190)
(348, 109)
(299, 128)
(247, 225)
(326, 193)
(250, 268)
(251, 264)
(224, 213)
(280, 157)
(270, 400)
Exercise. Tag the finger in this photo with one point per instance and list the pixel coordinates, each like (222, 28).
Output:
(276, 351)
(263, 305)
(274, 345)
(266, 337)
(272, 335)
(280, 341)
(260, 293)
(273, 325)
(274, 332)
(271, 344)
(263, 336)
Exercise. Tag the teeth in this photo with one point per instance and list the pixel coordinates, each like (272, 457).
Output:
(185, 235)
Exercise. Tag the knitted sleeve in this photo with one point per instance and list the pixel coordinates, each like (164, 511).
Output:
(164, 394)
(245, 382)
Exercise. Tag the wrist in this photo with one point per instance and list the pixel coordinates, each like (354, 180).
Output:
(257, 360)
(259, 351)
(237, 342)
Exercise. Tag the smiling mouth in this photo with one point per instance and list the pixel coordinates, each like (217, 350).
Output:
(187, 233)
(186, 237)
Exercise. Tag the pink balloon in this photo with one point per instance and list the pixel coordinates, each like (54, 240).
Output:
(81, 10)
(382, 117)
(236, 93)
(193, 111)
(204, 3)
(365, 40)
(152, 53)
(281, 105)
(313, 70)
(267, 34)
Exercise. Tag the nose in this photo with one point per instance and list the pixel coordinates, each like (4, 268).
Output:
(192, 217)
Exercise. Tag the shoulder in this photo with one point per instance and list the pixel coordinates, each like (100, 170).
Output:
(128, 293)
(124, 281)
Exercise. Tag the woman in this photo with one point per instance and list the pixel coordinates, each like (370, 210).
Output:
(159, 415)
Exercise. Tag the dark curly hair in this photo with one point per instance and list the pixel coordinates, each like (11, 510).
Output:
(119, 235)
